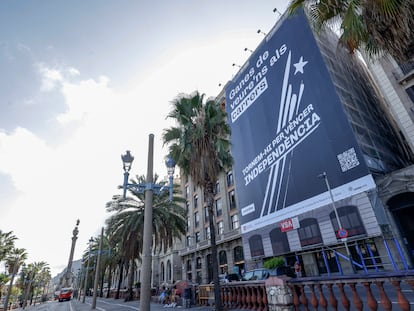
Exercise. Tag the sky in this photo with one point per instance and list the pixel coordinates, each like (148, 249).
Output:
(82, 81)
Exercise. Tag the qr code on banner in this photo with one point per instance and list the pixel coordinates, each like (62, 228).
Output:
(348, 159)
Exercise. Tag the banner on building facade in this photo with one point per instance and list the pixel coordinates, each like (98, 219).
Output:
(288, 127)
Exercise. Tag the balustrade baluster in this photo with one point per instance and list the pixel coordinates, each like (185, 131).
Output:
(259, 306)
(385, 301)
(304, 299)
(224, 296)
(344, 298)
(253, 298)
(357, 300)
(264, 299)
(296, 302)
(240, 292)
(332, 299)
(322, 300)
(402, 301)
(372, 302)
(314, 300)
(244, 297)
(233, 301)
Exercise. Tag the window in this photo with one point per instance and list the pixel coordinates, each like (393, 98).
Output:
(230, 180)
(222, 258)
(188, 240)
(219, 208)
(205, 214)
(162, 272)
(198, 237)
(350, 220)
(198, 263)
(256, 246)
(220, 228)
(232, 199)
(168, 270)
(196, 219)
(188, 223)
(187, 192)
(235, 222)
(189, 265)
(207, 233)
(187, 206)
(279, 241)
(309, 232)
(238, 255)
(217, 190)
(195, 201)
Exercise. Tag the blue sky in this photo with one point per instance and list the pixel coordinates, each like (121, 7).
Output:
(83, 81)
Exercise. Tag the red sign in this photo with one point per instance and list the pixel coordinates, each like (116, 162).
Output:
(343, 233)
(286, 225)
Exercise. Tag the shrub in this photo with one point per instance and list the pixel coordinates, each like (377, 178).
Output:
(274, 263)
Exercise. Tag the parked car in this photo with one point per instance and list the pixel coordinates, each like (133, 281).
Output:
(284, 270)
(263, 273)
(256, 274)
(233, 277)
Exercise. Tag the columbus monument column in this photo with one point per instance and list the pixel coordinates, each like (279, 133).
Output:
(69, 275)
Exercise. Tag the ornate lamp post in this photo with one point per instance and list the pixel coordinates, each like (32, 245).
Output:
(149, 188)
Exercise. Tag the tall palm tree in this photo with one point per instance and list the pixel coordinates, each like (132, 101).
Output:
(127, 223)
(15, 259)
(201, 147)
(374, 25)
(6, 243)
(32, 271)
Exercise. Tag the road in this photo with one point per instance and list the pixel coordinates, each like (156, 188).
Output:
(103, 304)
(108, 304)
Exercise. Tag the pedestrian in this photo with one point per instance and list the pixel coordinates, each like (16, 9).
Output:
(298, 269)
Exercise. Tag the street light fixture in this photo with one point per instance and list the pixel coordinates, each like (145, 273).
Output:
(149, 188)
(341, 228)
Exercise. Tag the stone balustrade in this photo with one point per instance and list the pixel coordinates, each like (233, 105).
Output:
(353, 292)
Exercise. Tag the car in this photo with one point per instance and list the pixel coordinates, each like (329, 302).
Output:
(283, 270)
(257, 274)
(65, 293)
(234, 277)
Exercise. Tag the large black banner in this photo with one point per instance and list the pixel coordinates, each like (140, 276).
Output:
(288, 127)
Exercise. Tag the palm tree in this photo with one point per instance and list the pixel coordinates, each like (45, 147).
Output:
(126, 225)
(201, 147)
(32, 271)
(376, 26)
(15, 259)
(6, 243)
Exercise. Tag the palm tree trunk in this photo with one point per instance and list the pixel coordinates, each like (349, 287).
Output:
(130, 281)
(121, 272)
(214, 261)
(108, 293)
(6, 301)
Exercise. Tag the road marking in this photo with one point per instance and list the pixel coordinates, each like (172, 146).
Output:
(99, 308)
(119, 304)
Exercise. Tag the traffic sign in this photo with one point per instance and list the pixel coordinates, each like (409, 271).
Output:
(343, 233)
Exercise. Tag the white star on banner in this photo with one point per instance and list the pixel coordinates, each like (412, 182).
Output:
(299, 65)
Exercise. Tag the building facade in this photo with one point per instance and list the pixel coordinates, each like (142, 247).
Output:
(301, 108)
(196, 254)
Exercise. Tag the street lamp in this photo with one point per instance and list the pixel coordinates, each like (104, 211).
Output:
(341, 228)
(149, 188)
